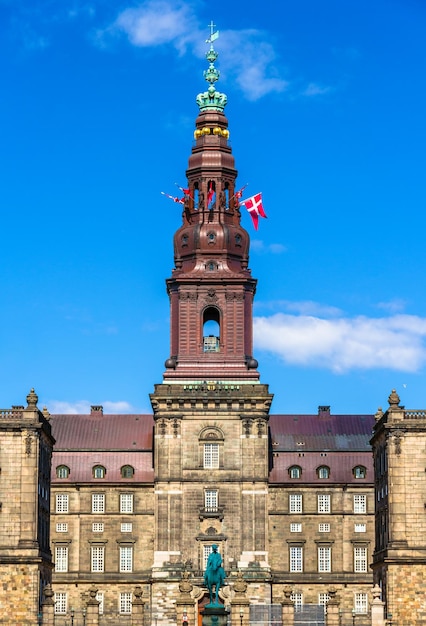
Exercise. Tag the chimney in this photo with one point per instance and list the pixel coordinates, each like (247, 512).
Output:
(96, 409)
(323, 411)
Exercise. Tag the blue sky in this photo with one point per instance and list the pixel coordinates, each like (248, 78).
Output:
(326, 109)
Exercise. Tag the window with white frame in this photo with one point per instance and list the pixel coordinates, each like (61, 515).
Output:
(323, 472)
(61, 558)
(62, 503)
(126, 503)
(360, 503)
(98, 527)
(126, 558)
(62, 527)
(211, 456)
(324, 500)
(295, 528)
(296, 559)
(62, 471)
(207, 550)
(126, 527)
(125, 603)
(361, 603)
(360, 528)
(323, 599)
(60, 603)
(211, 499)
(98, 503)
(295, 503)
(295, 471)
(100, 599)
(97, 559)
(324, 528)
(297, 598)
(324, 559)
(99, 471)
(360, 559)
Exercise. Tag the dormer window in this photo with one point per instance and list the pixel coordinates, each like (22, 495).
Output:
(127, 471)
(323, 471)
(99, 471)
(295, 471)
(62, 471)
(359, 471)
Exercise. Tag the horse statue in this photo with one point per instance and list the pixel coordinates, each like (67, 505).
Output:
(214, 575)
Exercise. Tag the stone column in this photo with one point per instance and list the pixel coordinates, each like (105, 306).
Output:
(138, 607)
(287, 605)
(185, 609)
(333, 615)
(240, 605)
(377, 608)
(48, 607)
(92, 609)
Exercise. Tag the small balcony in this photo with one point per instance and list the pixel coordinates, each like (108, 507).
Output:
(211, 512)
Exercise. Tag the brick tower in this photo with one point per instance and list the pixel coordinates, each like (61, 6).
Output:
(211, 411)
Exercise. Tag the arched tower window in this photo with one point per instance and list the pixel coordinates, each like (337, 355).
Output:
(211, 330)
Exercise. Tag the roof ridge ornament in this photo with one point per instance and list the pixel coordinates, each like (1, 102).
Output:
(212, 100)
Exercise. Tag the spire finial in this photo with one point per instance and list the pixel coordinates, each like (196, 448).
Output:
(212, 100)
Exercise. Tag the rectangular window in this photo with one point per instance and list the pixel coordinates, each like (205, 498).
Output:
(100, 599)
(98, 503)
(126, 559)
(361, 603)
(324, 503)
(98, 527)
(295, 528)
(323, 599)
(360, 528)
(295, 503)
(206, 553)
(97, 558)
(211, 499)
(126, 527)
(296, 559)
(60, 603)
(360, 559)
(61, 559)
(126, 503)
(360, 503)
(211, 455)
(324, 528)
(297, 598)
(62, 527)
(62, 503)
(125, 603)
(324, 559)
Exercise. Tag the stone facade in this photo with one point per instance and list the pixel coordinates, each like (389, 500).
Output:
(399, 565)
(26, 446)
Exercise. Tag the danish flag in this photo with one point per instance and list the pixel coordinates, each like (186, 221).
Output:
(255, 207)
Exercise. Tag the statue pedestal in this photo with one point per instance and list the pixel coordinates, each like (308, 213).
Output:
(214, 615)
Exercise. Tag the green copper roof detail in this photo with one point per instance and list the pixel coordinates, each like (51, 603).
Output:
(212, 100)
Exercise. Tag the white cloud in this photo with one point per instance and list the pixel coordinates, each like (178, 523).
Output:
(315, 90)
(247, 57)
(61, 407)
(256, 245)
(342, 344)
(155, 23)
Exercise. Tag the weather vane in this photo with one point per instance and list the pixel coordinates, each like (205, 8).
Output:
(213, 35)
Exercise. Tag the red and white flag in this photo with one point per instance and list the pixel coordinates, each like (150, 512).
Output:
(255, 207)
(210, 194)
